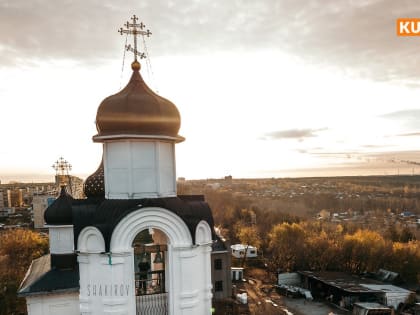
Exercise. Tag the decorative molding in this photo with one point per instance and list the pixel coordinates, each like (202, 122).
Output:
(83, 258)
(188, 253)
(138, 137)
(91, 240)
(189, 295)
(152, 217)
(203, 233)
(116, 312)
(189, 304)
(114, 301)
(114, 260)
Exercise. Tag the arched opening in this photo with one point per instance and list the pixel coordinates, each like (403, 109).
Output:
(170, 229)
(150, 248)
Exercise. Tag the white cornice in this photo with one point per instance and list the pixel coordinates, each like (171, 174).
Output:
(107, 138)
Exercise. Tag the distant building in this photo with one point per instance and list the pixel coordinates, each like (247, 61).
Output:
(407, 214)
(324, 215)
(1, 199)
(214, 186)
(238, 251)
(5, 211)
(345, 289)
(39, 205)
(14, 198)
(220, 270)
(74, 185)
(237, 273)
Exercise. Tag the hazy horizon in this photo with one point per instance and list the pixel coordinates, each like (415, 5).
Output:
(378, 169)
(263, 88)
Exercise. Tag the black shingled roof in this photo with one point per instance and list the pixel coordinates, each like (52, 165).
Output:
(105, 214)
(41, 279)
(60, 212)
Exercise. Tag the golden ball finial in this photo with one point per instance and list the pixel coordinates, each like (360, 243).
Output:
(135, 65)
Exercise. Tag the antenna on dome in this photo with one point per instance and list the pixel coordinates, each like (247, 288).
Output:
(135, 29)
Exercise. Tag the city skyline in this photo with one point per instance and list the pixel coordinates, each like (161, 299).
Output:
(267, 89)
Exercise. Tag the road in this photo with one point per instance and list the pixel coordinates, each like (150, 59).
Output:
(263, 299)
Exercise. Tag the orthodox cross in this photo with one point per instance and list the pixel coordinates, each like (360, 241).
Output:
(62, 167)
(135, 29)
(62, 170)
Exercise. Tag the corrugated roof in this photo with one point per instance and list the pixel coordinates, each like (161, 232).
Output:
(343, 281)
(386, 288)
(372, 306)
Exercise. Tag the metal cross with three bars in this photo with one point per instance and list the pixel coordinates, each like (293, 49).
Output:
(62, 167)
(135, 29)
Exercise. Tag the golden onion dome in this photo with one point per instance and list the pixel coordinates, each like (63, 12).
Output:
(136, 111)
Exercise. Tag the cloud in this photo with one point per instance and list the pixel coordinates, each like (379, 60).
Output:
(376, 146)
(403, 114)
(371, 146)
(346, 154)
(410, 118)
(357, 37)
(411, 134)
(292, 134)
(408, 155)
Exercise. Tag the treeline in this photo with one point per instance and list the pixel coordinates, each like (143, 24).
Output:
(306, 197)
(322, 247)
(291, 243)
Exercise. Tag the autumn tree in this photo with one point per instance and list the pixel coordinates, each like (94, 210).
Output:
(248, 235)
(287, 246)
(321, 251)
(405, 260)
(17, 250)
(364, 250)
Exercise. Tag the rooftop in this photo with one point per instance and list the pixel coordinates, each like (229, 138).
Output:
(41, 279)
(344, 281)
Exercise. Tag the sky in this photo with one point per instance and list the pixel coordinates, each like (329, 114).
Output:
(268, 88)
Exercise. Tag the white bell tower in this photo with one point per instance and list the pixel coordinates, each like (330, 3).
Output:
(139, 130)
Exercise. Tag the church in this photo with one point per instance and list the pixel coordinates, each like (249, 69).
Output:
(132, 246)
